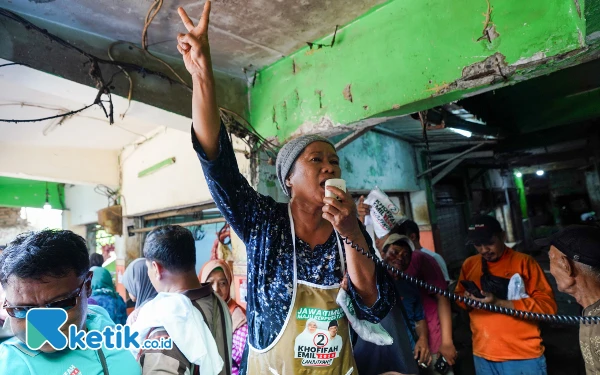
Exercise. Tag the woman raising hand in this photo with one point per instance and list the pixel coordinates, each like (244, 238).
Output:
(296, 257)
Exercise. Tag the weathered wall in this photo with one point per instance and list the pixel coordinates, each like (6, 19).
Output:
(371, 160)
(493, 179)
(420, 213)
(83, 203)
(378, 160)
(176, 185)
(593, 187)
(67, 225)
(418, 56)
(11, 224)
(10, 216)
(267, 183)
(567, 182)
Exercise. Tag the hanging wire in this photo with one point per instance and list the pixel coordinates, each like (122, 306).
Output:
(423, 118)
(520, 314)
(234, 121)
(130, 91)
(62, 115)
(111, 194)
(132, 67)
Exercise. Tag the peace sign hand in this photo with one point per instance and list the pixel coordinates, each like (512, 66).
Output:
(194, 46)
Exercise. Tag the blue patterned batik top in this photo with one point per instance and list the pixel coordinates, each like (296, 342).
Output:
(264, 226)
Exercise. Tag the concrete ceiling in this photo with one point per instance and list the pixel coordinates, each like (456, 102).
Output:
(244, 34)
(27, 93)
(90, 129)
(84, 148)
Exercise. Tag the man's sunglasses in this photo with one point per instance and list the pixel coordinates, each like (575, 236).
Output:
(20, 312)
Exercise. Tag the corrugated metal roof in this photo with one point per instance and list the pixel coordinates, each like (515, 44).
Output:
(410, 130)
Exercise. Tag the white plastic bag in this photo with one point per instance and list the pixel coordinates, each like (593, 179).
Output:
(186, 327)
(367, 331)
(516, 288)
(384, 213)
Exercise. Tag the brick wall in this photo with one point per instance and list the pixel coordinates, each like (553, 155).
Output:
(11, 224)
(10, 217)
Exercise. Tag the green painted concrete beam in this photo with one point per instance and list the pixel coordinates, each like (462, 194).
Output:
(405, 56)
(16, 192)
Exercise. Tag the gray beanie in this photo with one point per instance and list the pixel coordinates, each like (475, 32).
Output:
(290, 152)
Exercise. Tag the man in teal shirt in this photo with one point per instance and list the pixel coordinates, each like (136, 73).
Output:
(50, 268)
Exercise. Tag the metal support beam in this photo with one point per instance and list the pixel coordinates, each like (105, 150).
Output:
(450, 160)
(453, 121)
(455, 143)
(480, 154)
(394, 134)
(180, 212)
(449, 168)
(132, 231)
(352, 137)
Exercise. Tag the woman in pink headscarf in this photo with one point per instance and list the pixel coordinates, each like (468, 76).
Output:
(219, 274)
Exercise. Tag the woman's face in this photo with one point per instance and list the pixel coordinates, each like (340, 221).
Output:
(219, 284)
(317, 163)
(312, 327)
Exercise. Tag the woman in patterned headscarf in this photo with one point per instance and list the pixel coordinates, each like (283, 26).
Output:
(218, 273)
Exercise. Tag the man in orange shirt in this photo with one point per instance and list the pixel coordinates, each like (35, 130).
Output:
(503, 344)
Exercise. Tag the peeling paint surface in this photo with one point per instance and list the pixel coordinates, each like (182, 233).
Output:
(366, 163)
(348, 93)
(536, 57)
(393, 61)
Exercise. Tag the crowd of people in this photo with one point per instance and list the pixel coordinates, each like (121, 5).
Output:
(315, 305)
(51, 268)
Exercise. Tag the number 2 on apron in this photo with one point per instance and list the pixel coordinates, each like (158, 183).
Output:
(315, 337)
